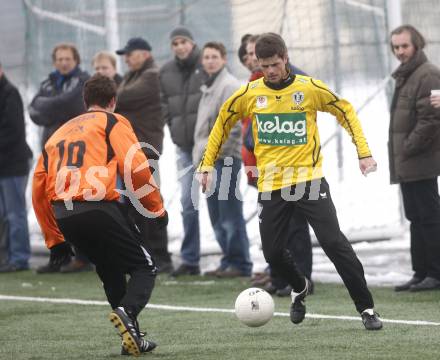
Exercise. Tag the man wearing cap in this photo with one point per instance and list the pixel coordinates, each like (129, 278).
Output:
(139, 101)
(180, 80)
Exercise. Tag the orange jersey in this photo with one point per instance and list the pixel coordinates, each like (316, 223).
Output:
(81, 162)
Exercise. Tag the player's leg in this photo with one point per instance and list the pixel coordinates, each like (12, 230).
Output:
(300, 245)
(320, 212)
(116, 250)
(274, 217)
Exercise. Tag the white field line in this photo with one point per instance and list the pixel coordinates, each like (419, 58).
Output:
(200, 309)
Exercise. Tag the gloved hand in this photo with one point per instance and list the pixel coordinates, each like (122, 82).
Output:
(162, 221)
(60, 254)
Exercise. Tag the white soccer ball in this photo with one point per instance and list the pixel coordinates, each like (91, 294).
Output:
(254, 307)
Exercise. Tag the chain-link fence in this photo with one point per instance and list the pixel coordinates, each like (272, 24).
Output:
(339, 41)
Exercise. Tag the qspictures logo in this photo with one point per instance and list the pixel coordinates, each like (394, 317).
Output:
(282, 129)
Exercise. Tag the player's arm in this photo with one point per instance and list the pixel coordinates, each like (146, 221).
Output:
(230, 112)
(134, 167)
(42, 207)
(345, 113)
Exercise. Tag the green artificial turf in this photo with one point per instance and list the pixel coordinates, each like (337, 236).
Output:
(33, 330)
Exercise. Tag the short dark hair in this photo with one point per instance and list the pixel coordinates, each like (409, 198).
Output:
(67, 46)
(99, 90)
(242, 52)
(417, 38)
(270, 44)
(245, 38)
(216, 45)
(252, 39)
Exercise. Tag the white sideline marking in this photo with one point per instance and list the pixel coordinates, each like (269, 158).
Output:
(199, 309)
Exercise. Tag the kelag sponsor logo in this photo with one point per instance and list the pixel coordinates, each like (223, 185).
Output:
(282, 129)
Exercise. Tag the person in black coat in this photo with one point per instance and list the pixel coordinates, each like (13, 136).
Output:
(58, 100)
(15, 156)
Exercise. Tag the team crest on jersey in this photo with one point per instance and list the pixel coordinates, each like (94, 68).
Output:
(298, 97)
(261, 102)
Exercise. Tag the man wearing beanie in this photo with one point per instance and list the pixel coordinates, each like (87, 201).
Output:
(180, 81)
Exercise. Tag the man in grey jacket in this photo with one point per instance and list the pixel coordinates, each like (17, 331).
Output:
(180, 81)
(139, 101)
(224, 203)
(414, 154)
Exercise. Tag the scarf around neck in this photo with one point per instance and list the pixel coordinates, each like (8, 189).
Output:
(405, 70)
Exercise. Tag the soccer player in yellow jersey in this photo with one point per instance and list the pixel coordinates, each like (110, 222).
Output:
(283, 108)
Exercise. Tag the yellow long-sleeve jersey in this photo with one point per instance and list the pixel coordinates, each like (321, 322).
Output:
(285, 132)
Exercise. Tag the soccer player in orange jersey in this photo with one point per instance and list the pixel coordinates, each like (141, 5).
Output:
(76, 202)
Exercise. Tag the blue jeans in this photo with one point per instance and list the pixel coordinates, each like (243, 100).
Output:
(190, 249)
(13, 209)
(226, 213)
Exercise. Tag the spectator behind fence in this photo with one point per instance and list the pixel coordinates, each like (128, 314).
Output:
(59, 97)
(139, 102)
(414, 154)
(180, 81)
(225, 206)
(15, 156)
(58, 100)
(104, 63)
(299, 242)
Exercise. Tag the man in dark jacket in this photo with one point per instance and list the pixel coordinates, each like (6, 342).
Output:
(59, 97)
(139, 102)
(414, 154)
(58, 100)
(15, 156)
(180, 81)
